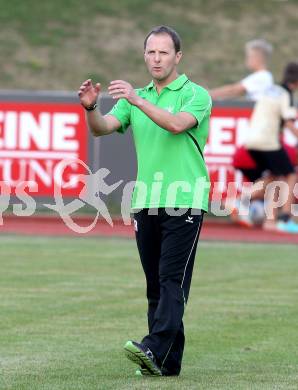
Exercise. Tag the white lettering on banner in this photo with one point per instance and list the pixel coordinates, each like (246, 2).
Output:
(6, 170)
(241, 130)
(36, 170)
(221, 136)
(35, 138)
(9, 130)
(46, 172)
(73, 178)
(19, 129)
(226, 134)
(63, 130)
(33, 130)
(16, 154)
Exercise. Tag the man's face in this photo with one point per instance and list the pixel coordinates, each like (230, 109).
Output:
(253, 59)
(160, 56)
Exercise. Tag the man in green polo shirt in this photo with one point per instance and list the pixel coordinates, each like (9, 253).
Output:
(169, 119)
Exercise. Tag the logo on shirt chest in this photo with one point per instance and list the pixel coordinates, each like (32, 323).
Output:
(170, 109)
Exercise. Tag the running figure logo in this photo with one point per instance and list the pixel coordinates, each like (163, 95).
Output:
(94, 186)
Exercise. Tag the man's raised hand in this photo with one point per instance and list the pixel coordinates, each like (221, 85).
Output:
(121, 89)
(88, 93)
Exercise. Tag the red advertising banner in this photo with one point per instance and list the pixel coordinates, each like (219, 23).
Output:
(35, 138)
(228, 127)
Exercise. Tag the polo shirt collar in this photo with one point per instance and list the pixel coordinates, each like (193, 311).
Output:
(174, 85)
(177, 83)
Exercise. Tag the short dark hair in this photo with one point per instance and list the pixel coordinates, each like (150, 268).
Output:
(290, 73)
(165, 30)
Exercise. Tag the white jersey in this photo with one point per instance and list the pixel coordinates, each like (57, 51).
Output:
(265, 123)
(257, 83)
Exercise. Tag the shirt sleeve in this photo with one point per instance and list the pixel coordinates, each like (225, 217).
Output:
(288, 112)
(256, 82)
(122, 111)
(197, 102)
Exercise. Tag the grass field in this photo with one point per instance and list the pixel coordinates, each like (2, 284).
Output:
(67, 305)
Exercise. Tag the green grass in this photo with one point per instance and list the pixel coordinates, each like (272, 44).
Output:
(67, 305)
(57, 45)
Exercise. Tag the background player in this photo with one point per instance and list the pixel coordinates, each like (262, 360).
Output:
(273, 112)
(257, 53)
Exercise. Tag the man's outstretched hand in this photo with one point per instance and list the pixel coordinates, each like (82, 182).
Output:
(88, 93)
(122, 89)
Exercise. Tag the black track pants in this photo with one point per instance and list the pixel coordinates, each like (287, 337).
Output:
(167, 246)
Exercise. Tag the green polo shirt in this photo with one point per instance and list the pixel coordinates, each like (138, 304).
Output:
(171, 168)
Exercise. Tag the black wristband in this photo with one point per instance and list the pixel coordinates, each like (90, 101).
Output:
(90, 108)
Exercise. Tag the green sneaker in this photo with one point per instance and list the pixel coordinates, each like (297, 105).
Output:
(142, 356)
(142, 372)
(138, 372)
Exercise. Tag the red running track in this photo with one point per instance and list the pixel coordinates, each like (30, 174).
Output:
(213, 230)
